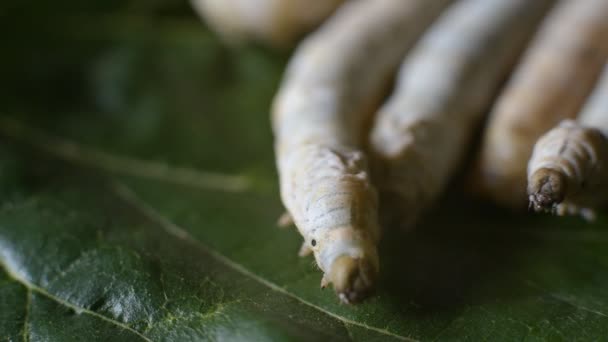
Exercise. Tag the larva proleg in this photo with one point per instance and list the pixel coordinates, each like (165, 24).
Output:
(421, 134)
(568, 171)
(551, 84)
(319, 117)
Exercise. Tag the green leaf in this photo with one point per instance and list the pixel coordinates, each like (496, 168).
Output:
(79, 260)
(138, 201)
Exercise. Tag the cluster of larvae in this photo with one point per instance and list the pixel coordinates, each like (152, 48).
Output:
(344, 147)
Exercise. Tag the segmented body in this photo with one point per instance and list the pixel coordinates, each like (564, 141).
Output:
(450, 77)
(554, 79)
(319, 121)
(568, 171)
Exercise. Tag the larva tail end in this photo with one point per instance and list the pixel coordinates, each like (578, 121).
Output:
(353, 279)
(546, 189)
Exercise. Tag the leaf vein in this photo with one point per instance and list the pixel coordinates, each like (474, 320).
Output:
(72, 265)
(93, 158)
(26, 318)
(564, 300)
(133, 200)
(34, 288)
(576, 305)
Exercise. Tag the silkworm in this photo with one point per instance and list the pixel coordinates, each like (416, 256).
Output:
(554, 78)
(319, 118)
(568, 171)
(444, 85)
(278, 22)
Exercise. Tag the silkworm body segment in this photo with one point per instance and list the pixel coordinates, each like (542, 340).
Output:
(568, 171)
(319, 118)
(421, 133)
(551, 84)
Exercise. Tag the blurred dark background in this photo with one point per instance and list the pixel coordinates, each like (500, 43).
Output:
(143, 77)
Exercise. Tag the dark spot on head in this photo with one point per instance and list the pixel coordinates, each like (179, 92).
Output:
(313, 242)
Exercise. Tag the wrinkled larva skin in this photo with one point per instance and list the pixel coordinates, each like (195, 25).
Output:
(568, 171)
(279, 22)
(337, 208)
(421, 133)
(319, 118)
(555, 77)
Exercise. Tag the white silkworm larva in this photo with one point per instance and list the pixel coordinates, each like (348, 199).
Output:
(551, 84)
(446, 82)
(319, 118)
(279, 22)
(568, 171)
